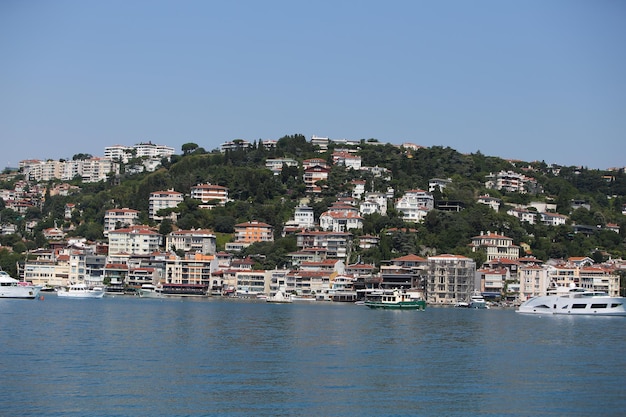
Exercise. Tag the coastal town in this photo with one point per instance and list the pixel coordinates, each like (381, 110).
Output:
(136, 255)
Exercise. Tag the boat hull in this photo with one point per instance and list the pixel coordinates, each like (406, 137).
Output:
(593, 306)
(81, 294)
(405, 305)
(20, 291)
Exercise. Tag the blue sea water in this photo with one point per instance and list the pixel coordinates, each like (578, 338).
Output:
(126, 356)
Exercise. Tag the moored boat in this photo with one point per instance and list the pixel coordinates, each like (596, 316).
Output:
(394, 299)
(13, 288)
(575, 301)
(81, 290)
(150, 291)
(279, 298)
(477, 301)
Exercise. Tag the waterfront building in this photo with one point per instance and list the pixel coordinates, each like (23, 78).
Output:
(533, 281)
(405, 272)
(450, 279)
(196, 269)
(596, 278)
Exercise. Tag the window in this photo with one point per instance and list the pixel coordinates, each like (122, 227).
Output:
(579, 305)
(598, 305)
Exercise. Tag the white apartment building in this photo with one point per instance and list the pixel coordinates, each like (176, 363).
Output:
(304, 217)
(163, 200)
(415, 205)
(341, 219)
(89, 170)
(492, 202)
(199, 240)
(210, 193)
(596, 278)
(119, 218)
(276, 165)
(497, 246)
(147, 150)
(509, 181)
(438, 183)
(134, 240)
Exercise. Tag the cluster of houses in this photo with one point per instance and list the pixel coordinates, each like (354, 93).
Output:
(319, 269)
(135, 254)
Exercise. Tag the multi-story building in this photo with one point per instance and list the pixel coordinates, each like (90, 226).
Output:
(198, 240)
(492, 202)
(450, 279)
(438, 184)
(276, 165)
(347, 159)
(415, 205)
(119, 218)
(210, 194)
(250, 232)
(314, 174)
(335, 244)
(140, 240)
(407, 272)
(510, 181)
(595, 278)
(144, 150)
(496, 246)
(195, 269)
(533, 281)
(341, 219)
(163, 200)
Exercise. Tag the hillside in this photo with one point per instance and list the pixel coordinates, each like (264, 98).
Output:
(258, 194)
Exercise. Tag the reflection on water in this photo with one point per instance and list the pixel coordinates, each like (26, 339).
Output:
(127, 356)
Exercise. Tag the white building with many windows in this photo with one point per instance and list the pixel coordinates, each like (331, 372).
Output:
(496, 246)
(135, 240)
(198, 240)
(210, 194)
(163, 200)
(119, 218)
(415, 205)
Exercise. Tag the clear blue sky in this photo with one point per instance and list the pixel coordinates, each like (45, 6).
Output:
(527, 79)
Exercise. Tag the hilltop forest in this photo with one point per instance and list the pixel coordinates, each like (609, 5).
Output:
(258, 194)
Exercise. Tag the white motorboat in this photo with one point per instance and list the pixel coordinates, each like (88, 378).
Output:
(150, 291)
(13, 288)
(477, 301)
(81, 290)
(279, 298)
(575, 301)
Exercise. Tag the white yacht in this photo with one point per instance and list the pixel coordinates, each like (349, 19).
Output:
(150, 291)
(477, 301)
(81, 290)
(13, 288)
(575, 301)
